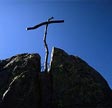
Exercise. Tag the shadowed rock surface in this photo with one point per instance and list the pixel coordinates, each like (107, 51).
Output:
(20, 81)
(70, 83)
(77, 85)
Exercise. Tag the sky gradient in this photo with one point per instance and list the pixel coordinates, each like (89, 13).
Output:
(86, 32)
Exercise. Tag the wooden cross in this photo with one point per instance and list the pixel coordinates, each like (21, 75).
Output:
(49, 21)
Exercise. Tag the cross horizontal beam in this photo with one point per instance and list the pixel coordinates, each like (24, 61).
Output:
(44, 23)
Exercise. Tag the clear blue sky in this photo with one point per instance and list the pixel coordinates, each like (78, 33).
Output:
(86, 32)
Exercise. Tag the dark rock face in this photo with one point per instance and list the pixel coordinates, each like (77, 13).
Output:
(20, 81)
(77, 85)
(70, 83)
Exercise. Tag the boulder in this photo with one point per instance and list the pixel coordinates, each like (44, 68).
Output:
(75, 84)
(20, 81)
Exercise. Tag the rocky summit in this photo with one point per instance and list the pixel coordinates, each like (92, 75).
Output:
(70, 83)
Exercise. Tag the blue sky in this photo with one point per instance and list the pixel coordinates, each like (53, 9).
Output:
(86, 32)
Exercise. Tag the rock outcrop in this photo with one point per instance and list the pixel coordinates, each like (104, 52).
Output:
(20, 81)
(77, 85)
(70, 83)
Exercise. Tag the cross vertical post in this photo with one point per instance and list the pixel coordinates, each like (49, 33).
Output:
(46, 47)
